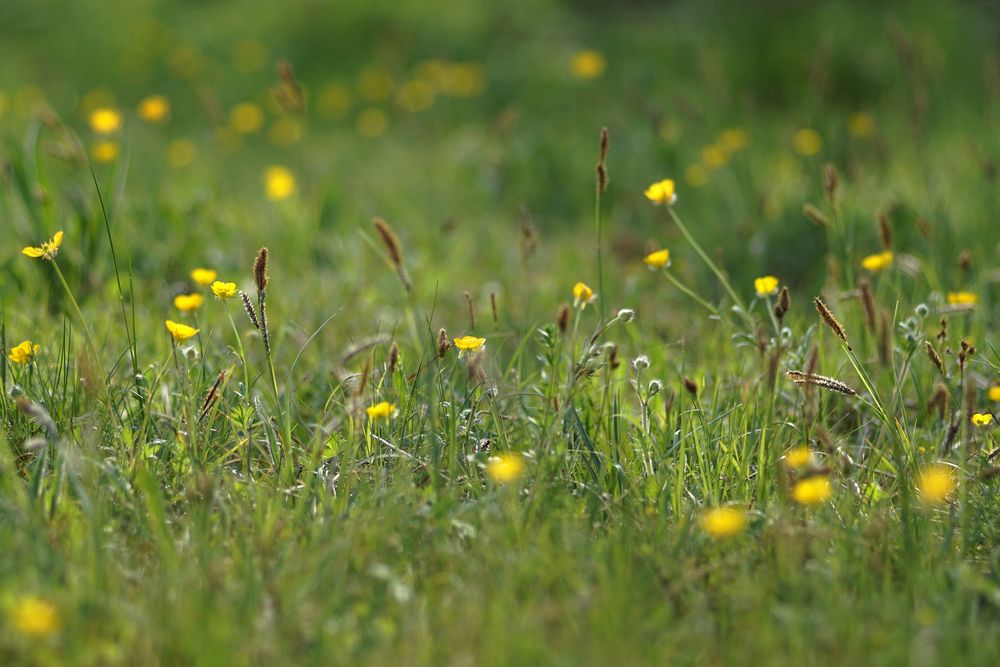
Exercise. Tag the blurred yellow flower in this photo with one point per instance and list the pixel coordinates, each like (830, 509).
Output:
(372, 123)
(284, 132)
(383, 410)
(24, 352)
(48, 250)
(105, 120)
(105, 151)
(658, 259)
(807, 142)
(798, 457)
(582, 295)
(714, 156)
(279, 183)
(766, 285)
(334, 101)
(35, 617)
(463, 79)
(936, 483)
(154, 109)
(812, 490)
(860, 125)
(877, 262)
(246, 118)
(505, 468)
(723, 522)
(180, 332)
(982, 419)
(696, 175)
(993, 393)
(962, 298)
(662, 192)
(224, 290)
(416, 95)
(468, 343)
(187, 303)
(375, 83)
(180, 153)
(204, 277)
(587, 64)
(734, 139)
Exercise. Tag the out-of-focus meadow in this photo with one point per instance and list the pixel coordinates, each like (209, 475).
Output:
(721, 473)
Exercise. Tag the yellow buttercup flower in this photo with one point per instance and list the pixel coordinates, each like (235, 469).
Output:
(204, 277)
(807, 142)
(812, 490)
(279, 183)
(469, 343)
(505, 468)
(105, 151)
(766, 285)
(662, 192)
(980, 419)
(246, 118)
(587, 64)
(722, 522)
(993, 393)
(188, 302)
(658, 259)
(48, 250)
(877, 262)
(154, 109)
(105, 120)
(181, 332)
(224, 290)
(24, 352)
(936, 483)
(962, 298)
(35, 617)
(582, 295)
(799, 457)
(383, 410)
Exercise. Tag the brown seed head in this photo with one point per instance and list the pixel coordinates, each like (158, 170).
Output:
(884, 231)
(260, 276)
(830, 320)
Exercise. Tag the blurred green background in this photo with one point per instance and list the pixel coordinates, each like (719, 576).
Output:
(453, 119)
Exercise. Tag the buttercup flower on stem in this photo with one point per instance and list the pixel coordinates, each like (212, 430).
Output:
(24, 352)
(105, 120)
(812, 490)
(877, 262)
(48, 250)
(204, 277)
(662, 192)
(582, 295)
(187, 303)
(181, 332)
(383, 410)
(722, 522)
(962, 298)
(469, 344)
(224, 290)
(766, 286)
(980, 419)
(505, 468)
(35, 617)
(936, 483)
(658, 259)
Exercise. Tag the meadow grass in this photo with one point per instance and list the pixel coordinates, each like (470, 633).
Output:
(480, 383)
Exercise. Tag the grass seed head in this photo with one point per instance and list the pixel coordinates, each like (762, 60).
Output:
(821, 381)
(830, 320)
(260, 276)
